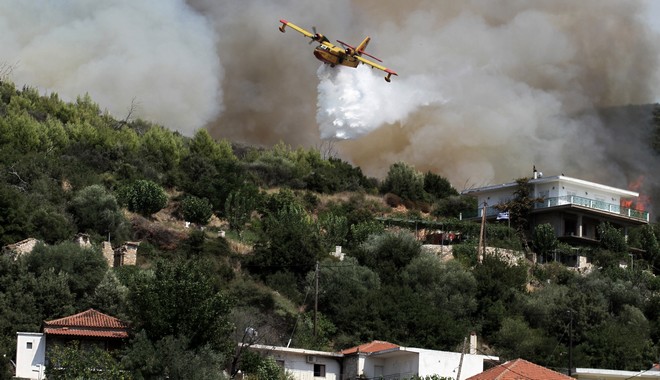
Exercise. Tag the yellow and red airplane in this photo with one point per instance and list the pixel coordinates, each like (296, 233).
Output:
(332, 54)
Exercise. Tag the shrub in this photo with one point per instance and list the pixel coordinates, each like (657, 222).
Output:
(144, 197)
(196, 210)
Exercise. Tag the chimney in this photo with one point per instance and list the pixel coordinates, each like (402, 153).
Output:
(473, 343)
(536, 174)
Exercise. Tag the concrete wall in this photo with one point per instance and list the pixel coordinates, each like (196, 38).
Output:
(30, 355)
(445, 364)
(297, 364)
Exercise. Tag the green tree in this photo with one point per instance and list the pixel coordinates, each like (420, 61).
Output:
(342, 281)
(288, 241)
(196, 210)
(144, 197)
(334, 229)
(179, 299)
(210, 170)
(499, 285)
(404, 181)
(521, 205)
(110, 296)
(517, 339)
(621, 343)
(262, 368)
(240, 204)
(438, 186)
(387, 254)
(442, 301)
(544, 239)
(72, 362)
(52, 225)
(172, 358)
(162, 147)
(611, 238)
(84, 267)
(14, 220)
(95, 210)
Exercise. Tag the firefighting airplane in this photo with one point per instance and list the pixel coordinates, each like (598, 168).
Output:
(334, 55)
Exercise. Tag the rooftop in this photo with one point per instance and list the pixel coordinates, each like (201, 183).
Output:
(89, 323)
(519, 369)
(375, 346)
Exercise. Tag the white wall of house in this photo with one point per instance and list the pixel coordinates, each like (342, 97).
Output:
(495, 197)
(408, 361)
(401, 365)
(301, 363)
(30, 355)
(445, 364)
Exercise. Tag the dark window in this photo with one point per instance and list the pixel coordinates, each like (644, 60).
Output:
(29, 345)
(319, 370)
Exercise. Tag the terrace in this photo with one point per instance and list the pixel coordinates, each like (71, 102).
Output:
(574, 201)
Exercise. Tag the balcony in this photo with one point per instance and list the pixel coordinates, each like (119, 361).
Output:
(593, 204)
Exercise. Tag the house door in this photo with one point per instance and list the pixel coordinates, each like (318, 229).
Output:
(378, 371)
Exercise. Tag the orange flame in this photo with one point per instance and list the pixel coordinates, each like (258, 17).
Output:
(642, 202)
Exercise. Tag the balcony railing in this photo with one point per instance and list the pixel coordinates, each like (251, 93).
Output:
(574, 200)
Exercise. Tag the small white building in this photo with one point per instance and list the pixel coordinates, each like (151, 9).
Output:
(30, 355)
(375, 360)
(91, 328)
(304, 364)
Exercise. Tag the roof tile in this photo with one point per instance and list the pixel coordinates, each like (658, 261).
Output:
(520, 369)
(89, 323)
(375, 346)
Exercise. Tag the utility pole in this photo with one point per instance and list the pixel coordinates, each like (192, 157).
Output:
(460, 362)
(316, 296)
(481, 250)
(570, 343)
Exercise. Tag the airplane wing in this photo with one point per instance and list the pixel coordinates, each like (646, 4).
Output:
(320, 38)
(377, 66)
(296, 28)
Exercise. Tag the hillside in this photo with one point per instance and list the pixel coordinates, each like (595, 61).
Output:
(268, 217)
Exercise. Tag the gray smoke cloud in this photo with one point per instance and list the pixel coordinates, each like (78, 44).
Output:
(155, 56)
(486, 89)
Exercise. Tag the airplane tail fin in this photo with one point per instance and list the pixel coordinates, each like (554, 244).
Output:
(363, 45)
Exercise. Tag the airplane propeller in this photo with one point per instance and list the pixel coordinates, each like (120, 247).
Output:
(318, 37)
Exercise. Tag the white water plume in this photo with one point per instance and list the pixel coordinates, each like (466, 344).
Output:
(354, 102)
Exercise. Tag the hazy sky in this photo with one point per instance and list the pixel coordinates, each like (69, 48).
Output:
(654, 14)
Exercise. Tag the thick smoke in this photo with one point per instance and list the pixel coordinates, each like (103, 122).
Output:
(486, 89)
(157, 57)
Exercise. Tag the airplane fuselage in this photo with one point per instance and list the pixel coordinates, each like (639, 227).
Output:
(334, 56)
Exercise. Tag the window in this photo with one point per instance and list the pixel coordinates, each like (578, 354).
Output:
(319, 370)
(280, 363)
(29, 345)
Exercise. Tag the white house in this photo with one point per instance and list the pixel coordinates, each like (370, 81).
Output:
(90, 328)
(375, 360)
(304, 364)
(30, 355)
(573, 207)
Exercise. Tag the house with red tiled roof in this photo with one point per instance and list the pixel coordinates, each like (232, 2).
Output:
(90, 328)
(375, 360)
(520, 369)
